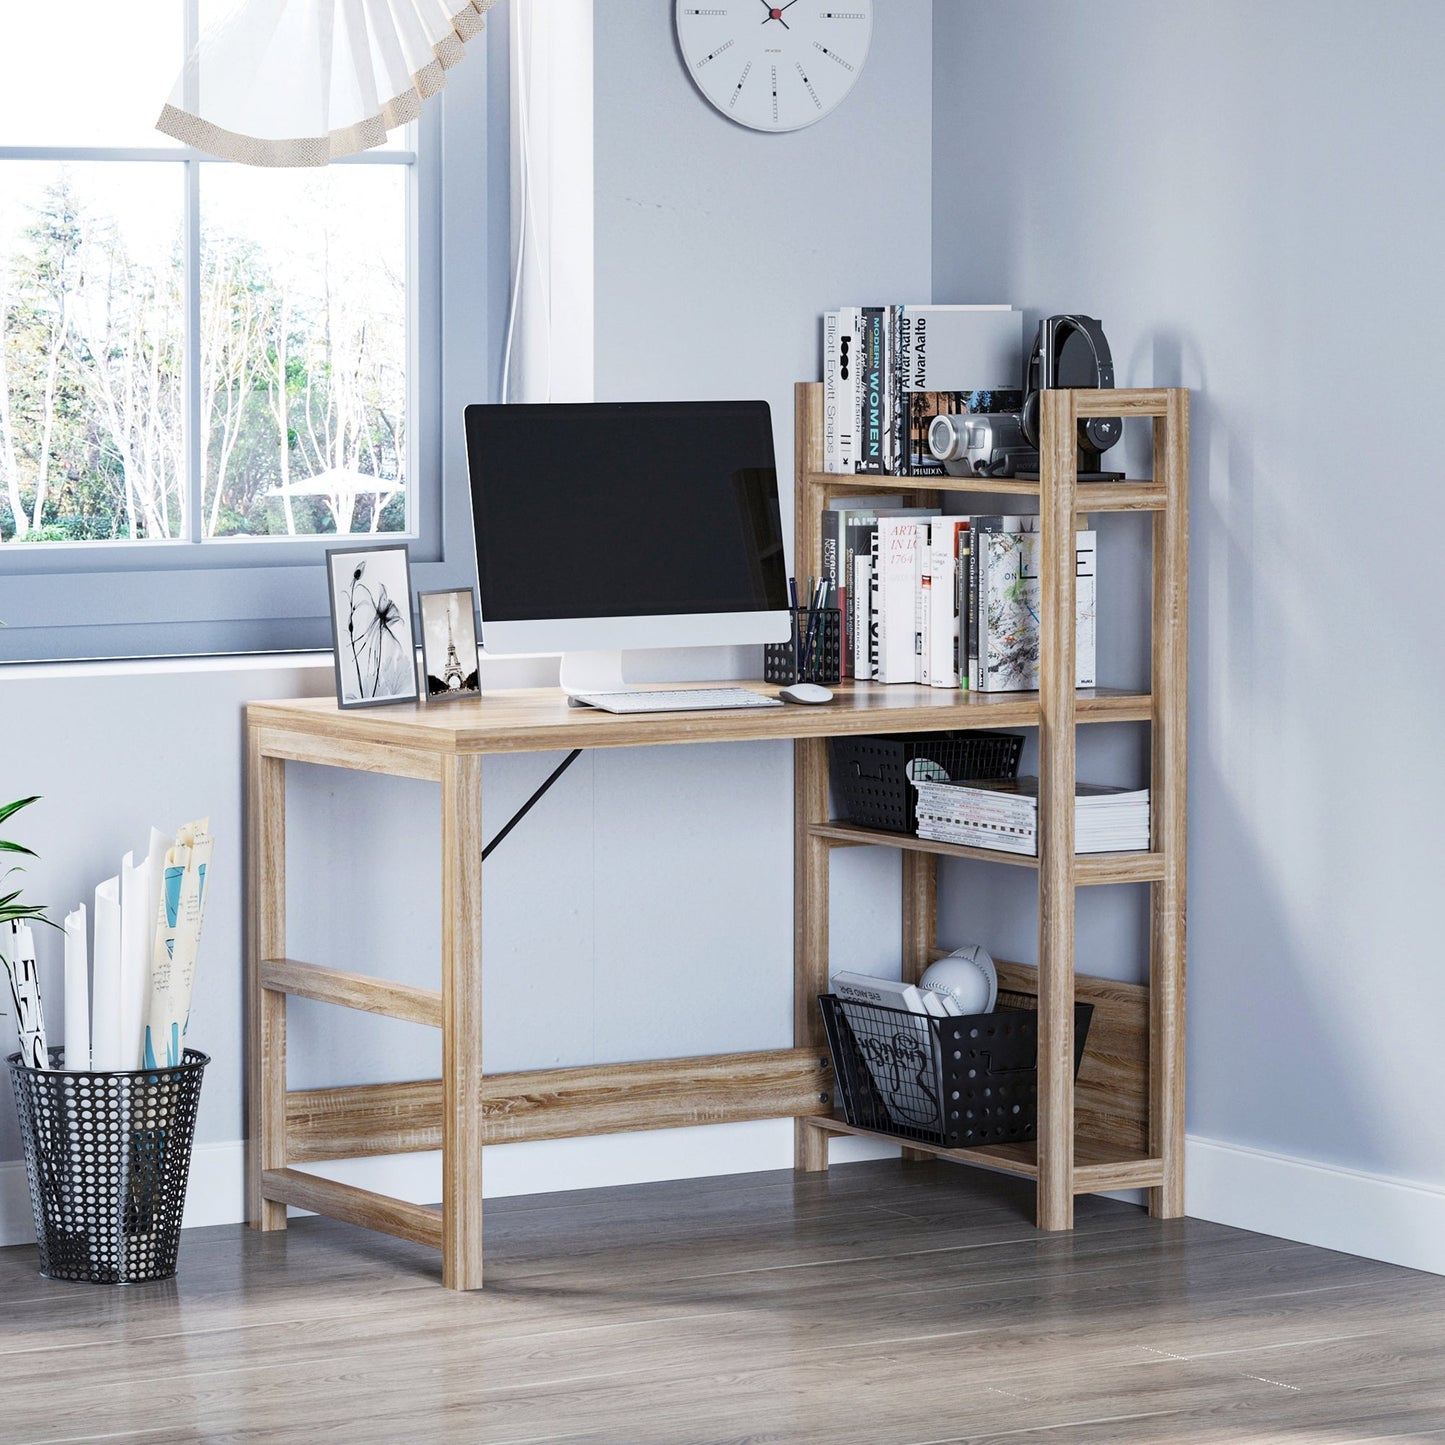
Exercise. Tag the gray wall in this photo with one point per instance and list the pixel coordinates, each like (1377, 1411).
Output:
(1251, 196)
(717, 250)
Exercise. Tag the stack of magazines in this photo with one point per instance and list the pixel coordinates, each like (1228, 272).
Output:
(1005, 815)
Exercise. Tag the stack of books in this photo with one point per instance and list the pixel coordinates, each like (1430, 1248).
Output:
(889, 370)
(947, 601)
(1004, 815)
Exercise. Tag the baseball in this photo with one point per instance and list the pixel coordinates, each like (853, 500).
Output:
(967, 976)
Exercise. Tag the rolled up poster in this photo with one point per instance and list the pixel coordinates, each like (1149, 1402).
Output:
(106, 1052)
(136, 932)
(77, 993)
(177, 944)
(17, 948)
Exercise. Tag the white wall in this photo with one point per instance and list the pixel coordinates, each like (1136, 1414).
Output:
(645, 907)
(1250, 196)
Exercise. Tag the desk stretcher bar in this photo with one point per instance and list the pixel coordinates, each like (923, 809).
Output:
(347, 1123)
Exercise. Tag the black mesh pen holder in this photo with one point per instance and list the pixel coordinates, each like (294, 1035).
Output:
(870, 775)
(107, 1156)
(954, 1082)
(817, 643)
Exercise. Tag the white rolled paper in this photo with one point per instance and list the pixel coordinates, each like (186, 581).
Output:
(106, 1051)
(137, 928)
(77, 993)
(17, 949)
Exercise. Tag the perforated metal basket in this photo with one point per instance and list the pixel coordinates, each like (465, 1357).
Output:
(107, 1156)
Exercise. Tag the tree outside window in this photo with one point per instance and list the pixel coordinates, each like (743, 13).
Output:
(191, 350)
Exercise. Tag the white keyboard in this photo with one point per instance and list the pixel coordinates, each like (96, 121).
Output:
(681, 699)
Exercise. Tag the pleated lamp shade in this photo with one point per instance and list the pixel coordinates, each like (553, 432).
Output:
(301, 82)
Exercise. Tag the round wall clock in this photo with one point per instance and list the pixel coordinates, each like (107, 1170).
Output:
(775, 67)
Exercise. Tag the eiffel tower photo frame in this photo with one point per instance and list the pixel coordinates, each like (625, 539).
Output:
(449, 644)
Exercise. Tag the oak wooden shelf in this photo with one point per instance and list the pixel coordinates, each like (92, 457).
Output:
(1129, 495)
(1121, 1123)
(1090, 868)
(1098, 1164)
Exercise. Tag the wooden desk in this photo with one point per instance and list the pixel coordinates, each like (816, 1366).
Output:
(466, 1109)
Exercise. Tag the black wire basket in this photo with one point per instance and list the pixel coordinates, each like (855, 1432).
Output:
(817, 642)
(871, 775)
(955, 1082)
(107, 1156)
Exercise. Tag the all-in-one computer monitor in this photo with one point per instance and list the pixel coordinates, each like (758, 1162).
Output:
(611, 526)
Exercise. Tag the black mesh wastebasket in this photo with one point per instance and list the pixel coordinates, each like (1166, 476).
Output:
(107, 1156)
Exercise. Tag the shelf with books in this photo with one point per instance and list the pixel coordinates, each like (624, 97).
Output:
(1130, 495)
(1090, 869)
(1121, 1124)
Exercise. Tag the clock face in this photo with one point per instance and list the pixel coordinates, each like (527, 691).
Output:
(775, 67)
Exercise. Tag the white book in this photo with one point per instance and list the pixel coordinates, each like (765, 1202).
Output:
(943, 629)
(923, 605)
(897, 581)
(872, 639)
(850, 366)
(1086, 583)
(964, 348)
(830, 392)
(886, 992)
(861, 600)
(1009, 588)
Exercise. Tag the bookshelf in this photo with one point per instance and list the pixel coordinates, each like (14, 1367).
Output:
(1121, 1124)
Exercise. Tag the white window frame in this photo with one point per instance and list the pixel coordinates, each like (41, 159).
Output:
(228, 595)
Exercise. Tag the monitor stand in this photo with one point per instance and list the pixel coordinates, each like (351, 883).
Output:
(592, 672)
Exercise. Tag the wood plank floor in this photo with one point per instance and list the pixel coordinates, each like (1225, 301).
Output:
(884, 1303)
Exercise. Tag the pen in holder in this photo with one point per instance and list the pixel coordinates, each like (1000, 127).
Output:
(813, 654)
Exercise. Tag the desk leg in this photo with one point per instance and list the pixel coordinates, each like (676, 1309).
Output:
(266, 1011)
(810, 929)
(462, 1022)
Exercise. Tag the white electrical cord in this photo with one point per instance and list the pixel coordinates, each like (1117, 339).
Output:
(527, 217)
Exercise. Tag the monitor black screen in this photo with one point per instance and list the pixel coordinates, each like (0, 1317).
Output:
(625, 509)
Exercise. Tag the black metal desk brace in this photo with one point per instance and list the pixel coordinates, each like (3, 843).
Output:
(528, 805)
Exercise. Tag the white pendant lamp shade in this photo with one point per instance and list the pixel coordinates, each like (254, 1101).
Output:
(301, 82)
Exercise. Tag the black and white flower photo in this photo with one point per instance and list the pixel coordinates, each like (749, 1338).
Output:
(371, 622)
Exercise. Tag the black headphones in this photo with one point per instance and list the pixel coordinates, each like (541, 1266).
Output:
(1096, 433)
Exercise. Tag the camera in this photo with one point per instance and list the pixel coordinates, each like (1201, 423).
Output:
(990, 445)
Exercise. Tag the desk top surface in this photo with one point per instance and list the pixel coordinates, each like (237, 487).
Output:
(539, 719)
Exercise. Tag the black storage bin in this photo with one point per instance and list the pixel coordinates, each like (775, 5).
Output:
(824, 654)
(871, 774)
(954, 1082)
(107, 1156)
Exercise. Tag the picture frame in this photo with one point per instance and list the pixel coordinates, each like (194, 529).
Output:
(450, 668)
(372, 631)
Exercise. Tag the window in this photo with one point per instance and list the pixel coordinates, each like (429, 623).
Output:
(204, 368)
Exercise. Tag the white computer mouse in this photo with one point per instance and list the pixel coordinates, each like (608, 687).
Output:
(806, 692)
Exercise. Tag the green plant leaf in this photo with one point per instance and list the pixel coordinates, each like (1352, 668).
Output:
(8, 809)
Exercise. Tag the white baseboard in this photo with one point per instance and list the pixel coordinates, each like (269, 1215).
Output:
(1371, 1215)
(216, 1194)
(1394, 1220)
